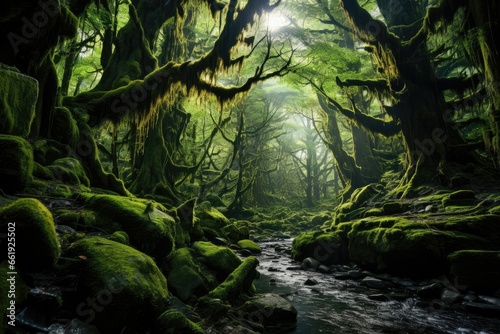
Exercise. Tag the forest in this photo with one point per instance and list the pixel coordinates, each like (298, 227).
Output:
(250, 166)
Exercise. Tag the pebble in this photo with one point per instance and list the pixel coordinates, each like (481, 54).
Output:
(374, 283)
(310, 281)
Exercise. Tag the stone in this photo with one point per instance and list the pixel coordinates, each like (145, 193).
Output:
(431, 291)
(328, 248)
(173, 321)
(239, 281)
(450, 297)
(483, 309)
(356, 274)
(379, 297)
(310, 263)
(18, 98)
(324, 269)
(120, 282)
(16, 163)
(37, 244)
(310, 282)
(374, 283)
(250, 245)
(270, 309)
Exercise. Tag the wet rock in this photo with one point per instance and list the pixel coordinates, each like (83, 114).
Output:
(431, 291)
(379, 297)
(470, 297)
(218, 241)
(431, 208)
(250, 245)
(342, 276)
(374, 283)
(245, 252)
(355, 274)
(450, 297)
(476, 270)
(310, 263)
(294, 268)
(324, 269)
(490, 300)
(327, 248)
(173, 321)
(272, 269)
(270, 310)
(483, 309)
(310, 282)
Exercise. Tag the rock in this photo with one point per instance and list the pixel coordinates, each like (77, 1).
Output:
(327, 248)
(310, 282)
(37, 245)
(476, 270)
(118, 282)
(184, 275)
(16, 163)
(483, 309)
(150, 229)
(238, 329)
(70, 171)
(431, 208)
(18, 98)
(173, 322)
(491, 300)
(211, 217)
(121, 237)
(450, 297)
(250, 245)
(219, 241)
(391, 208)
(374, 283)
(324, 269)
(221, 260)
(310, 263)
(356, 274)
(269, 309)
(240, 280)
(342, 276)
(431, 291)
(64, 127)
(245, 253)
(379, 297)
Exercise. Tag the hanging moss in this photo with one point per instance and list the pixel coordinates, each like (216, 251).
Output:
(37, 246)
(16, 163)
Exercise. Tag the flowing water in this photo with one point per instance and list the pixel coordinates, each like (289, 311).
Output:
(342, 306)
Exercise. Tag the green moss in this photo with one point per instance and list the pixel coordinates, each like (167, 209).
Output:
(16, 163)
(328, 248)
(42, 172)
(18, 97)
(211, 217)
(21, 293)
(126, 284)
(121, 237)
(240, 280)
(173, 322)
(232, 232)
(185, 276)
(219, 258)
(50, 188)
(374, 212)
(149, 227)
(64, 128)
(477, 270)
(250, 245)
(37, 246)
(69, 170)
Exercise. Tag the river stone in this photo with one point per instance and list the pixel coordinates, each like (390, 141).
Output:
(310, 263)
(483, 309)
(450, 297)
(270, 309)
(431, 291)
(378, 297)
(356, 274)
(324, 269)
(373, 283)
(310, 282)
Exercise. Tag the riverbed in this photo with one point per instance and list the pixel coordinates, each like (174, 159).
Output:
(342, 306)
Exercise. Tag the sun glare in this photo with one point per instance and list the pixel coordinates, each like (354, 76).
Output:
(276, 20)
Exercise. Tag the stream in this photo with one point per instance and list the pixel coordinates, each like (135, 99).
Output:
(343, 306)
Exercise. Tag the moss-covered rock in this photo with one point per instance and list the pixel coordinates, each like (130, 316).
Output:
(240, 280)
(417, 248)
(250, 245)
(211, 217)
(186, 279)
(149, 227)
(18, 97)
(121, 237)
(37, 246)
(64, 128)
(476, 270)
(328, 248)
(70, 171)
(16, 163)
(49, 188)
(119, 283)
(173, 322)
(218, 258)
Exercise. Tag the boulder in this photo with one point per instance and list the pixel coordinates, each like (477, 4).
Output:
(70, 171)
(249, 245)
(173, 322)
(270, 310)
(211, 217)
(220, 259)
(18, 98)
(16, 163)
(476, 270)
(327, 248)
(37, 245)
(118, 282)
